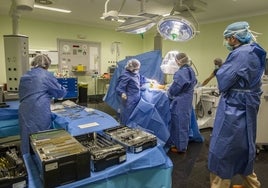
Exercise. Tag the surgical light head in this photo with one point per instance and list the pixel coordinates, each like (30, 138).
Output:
(133, 65)
(42, 61)
(176, 28)
(239, 30)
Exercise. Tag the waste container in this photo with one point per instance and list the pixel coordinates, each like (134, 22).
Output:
(82, 93)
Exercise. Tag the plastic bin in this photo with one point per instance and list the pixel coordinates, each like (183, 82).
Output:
(82, 93)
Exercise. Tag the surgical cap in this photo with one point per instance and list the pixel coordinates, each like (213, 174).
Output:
(239, 30)
(133, 65)
(41, 61)
(182, 57)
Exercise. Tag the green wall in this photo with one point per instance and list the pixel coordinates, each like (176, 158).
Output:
(206, 46)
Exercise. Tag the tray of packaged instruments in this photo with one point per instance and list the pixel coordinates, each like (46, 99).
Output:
(134, 139)
(13, 172)
(60, 158)
(104, 152)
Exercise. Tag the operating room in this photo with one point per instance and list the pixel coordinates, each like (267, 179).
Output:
(94, 50)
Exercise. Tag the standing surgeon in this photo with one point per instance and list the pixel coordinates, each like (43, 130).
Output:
(129, 89)
(36, 89)
(181, 95)
(232, 147)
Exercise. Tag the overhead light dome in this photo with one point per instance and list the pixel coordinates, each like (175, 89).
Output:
(138, 24)
(176, 28)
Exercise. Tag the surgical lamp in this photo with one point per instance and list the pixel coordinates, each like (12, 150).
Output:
(176, 28)
(138, 24)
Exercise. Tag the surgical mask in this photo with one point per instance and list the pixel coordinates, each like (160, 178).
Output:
(228, 46)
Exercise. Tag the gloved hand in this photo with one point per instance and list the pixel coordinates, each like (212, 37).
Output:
(161, 86)
(124, 96)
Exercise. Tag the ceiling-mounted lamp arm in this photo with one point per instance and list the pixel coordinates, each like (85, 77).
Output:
(105, 6)
(191, 13)
(173, 9)
(122, 5)
(15, 15)
(142, 6)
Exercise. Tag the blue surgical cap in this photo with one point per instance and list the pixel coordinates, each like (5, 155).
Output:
(133, 64)
(239, 30)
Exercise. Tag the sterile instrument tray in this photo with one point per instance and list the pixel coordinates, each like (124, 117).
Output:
(13, 172)
(104, 152)
(135, 140)
(60, 158)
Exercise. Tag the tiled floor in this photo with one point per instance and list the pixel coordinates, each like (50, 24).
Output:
(190, 169)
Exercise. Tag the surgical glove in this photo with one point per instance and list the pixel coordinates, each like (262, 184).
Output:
(124, 96)
(161, 86)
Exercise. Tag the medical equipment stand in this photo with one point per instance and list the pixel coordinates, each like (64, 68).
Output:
(262, 119)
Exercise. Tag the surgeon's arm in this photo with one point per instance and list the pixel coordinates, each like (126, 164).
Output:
(206, 81)
(55, 89)
(229, 72)
(176, 86)
(122, 85)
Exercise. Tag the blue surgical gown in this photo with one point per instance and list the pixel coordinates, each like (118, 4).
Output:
(181, 95)
(129, 83)
(36, 89)
(232, 145)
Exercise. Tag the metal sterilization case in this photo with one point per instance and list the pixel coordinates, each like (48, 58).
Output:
(60, 158)
(135, 140)
(104, 152)
(13, 171)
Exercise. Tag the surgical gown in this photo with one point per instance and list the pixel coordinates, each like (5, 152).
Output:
(36, 89)
(232, 145)
(181, 95)
(129, 83)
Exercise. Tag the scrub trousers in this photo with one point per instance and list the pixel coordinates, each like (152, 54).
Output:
(250, 181)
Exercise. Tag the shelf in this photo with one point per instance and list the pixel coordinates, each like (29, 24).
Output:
(79, 71)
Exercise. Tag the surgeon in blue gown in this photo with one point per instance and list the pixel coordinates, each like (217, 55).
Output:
(128, 88)
(36, 89)
(181, 95)
(232, 147)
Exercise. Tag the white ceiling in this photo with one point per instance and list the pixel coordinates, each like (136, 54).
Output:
(88, 12)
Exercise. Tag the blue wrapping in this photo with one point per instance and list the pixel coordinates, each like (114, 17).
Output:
(10, 112)
(9, 125)
(150, 68)
(71, 118)
(152, 114)
(194, 133)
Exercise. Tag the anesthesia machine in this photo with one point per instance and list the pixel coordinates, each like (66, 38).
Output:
(205, 102)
